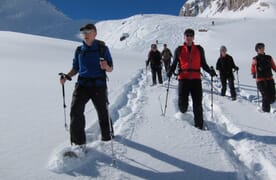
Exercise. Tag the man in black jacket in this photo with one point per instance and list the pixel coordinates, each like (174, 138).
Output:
(154, 59)
(225, 65)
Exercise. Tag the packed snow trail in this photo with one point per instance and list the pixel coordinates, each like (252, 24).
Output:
(245, 139)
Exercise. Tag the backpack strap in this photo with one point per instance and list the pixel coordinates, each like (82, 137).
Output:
(178, 51)
(101, 48)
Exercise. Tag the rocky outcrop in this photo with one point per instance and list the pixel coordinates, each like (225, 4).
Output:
(195, 7)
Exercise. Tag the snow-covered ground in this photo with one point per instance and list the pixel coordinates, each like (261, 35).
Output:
(240, 142)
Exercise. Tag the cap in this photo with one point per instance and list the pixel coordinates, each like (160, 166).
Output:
(189, 31)
(258, 46)
(223, 48)
(88, 27)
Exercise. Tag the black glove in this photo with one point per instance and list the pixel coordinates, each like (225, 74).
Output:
(64, 76)
(169, 74)
(254, 76)
(147, 62)
(237, 68)
(212, 72)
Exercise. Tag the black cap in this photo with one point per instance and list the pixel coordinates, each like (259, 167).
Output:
(258, 46)
(88, 27)
(189, 31)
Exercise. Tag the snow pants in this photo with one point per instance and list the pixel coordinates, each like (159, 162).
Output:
(81, 96)
(267, 89)
(158, 71)
(193, 87)
(230, 80)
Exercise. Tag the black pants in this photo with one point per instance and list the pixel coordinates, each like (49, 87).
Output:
(194, 88)
(81, 96)
(167, 64)
(267, 90)
(157, 71)
(230, 80)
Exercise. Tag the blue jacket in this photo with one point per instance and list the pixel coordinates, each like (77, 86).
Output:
(87, 63)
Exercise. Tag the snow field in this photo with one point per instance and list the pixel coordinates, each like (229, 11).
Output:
(239, 143)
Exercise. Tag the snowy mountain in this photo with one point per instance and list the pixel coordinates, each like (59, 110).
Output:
(36, 17)
(230, 8)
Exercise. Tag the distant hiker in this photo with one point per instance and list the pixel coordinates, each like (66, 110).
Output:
(154, 59)
(225, 65)
(166, 57)
(261, 70)
(190, 58)
(91, 61)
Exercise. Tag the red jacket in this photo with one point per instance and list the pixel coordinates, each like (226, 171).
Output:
(190, 63)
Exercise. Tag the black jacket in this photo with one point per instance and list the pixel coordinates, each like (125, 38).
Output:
(225, 65)
(154, 58)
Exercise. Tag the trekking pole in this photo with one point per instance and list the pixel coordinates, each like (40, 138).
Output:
(111, 131)
(166, 102)
(62, 76)
(238, 78)
(258, 96)
(146, 72)
(212, 98)
(212, 94)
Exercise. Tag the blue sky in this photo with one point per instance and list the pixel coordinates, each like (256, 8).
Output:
(115, 9)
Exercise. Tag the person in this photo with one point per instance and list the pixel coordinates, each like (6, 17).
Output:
(225, 65)
(261, 69)
(154, 59)
(190, 58)
(91, 62)
(166, 57)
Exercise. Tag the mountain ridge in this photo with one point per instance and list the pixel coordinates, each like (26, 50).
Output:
(229, 8)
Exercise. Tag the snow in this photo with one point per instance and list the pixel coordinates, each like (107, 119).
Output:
(239, 143)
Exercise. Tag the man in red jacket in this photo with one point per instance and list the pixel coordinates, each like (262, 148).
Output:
(190, 58)
(261, 70)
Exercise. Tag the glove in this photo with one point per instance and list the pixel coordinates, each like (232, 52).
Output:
(64, 76)
(254, 76)
(169, 74)
(212, 72)
(237, 68)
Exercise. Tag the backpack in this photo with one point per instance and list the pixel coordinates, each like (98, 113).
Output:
(101, 50)
(263, 66)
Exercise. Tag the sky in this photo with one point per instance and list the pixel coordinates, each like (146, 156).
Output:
(110, 9)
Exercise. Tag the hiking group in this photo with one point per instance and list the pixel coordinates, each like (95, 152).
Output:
(93, 59)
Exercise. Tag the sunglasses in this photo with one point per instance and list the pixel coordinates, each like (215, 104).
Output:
(87, 31)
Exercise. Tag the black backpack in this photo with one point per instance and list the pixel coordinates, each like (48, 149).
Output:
(101, 50)
(263, 66)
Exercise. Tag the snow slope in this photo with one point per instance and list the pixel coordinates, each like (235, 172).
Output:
(240, 142)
